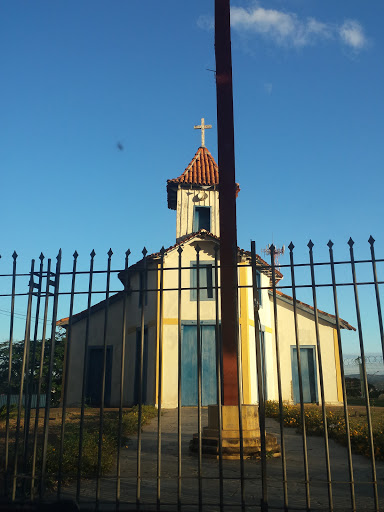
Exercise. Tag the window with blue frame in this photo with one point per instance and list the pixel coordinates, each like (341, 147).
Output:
(201, 218)
(258, 284)
(206, 280)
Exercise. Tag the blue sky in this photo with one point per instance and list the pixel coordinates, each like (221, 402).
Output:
(79, 77)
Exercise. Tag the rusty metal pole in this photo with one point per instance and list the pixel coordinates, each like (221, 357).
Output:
(227, 201)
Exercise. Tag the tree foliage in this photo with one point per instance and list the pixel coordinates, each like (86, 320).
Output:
(17, 362)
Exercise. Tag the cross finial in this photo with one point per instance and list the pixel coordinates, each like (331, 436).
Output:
(202, 127)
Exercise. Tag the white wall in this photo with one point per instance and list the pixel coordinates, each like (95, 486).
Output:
(187, 198)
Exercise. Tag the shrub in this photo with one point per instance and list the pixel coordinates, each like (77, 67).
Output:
(89, 459)
(314, 424)
(13, 409)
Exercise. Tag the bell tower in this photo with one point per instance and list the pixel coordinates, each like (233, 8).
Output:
(195, 193)
(195, 196)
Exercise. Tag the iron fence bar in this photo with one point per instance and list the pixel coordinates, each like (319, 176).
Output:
(39, 382)
(9, 378)
(199, 387)
(279, 386)
(365, 381)
(160, 379)
(65, 375)
(30, 371)
(123, 343)
(22, 376)
(143, 293)
(179, 361)
(49, 377)
(85, 369)
(321, 376)
(101, 422)
(346, 415)
(240, 402)
(302, 413)
(377, 293)
(218, 379)
(260, 390)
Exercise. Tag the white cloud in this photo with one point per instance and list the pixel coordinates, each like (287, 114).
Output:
(205, 22)
(268, 88)
(288, 29)
(352, 34)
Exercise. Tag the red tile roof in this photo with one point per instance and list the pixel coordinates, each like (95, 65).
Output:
(202, 170)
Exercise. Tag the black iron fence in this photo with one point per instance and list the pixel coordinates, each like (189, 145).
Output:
(104, 344)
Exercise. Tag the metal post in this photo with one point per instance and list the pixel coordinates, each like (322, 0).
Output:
(227, 198)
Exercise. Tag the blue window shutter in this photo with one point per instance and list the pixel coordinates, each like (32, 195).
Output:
(258, 283)
(201, 218)
(195, 227)
(193, 281)
(206, 281)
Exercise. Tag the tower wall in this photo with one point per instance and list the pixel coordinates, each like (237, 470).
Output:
(187, 199)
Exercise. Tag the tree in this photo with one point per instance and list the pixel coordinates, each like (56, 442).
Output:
(17, 361)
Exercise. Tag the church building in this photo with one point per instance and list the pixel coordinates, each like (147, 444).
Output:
(172, 302)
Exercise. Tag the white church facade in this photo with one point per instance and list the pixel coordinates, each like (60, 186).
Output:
(170, 318)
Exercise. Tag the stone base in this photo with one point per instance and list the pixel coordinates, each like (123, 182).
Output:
(230, 434)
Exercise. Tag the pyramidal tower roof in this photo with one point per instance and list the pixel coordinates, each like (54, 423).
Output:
(202, 171)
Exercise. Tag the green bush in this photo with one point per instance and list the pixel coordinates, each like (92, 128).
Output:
(13, 409)
(89, 459)
(314, 425)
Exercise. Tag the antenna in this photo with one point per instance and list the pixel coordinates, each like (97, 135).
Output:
(278, 252)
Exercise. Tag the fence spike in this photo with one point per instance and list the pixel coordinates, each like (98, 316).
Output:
(330, 244)
(371, 240)
(180, 249)
(14, 255)
(310, 245)
(162, 251)
(144, 251)
(128, 252)
(291, 246)
(75, 255)
(197, 248)
(350, 242)
(93, 254)
(110, 252)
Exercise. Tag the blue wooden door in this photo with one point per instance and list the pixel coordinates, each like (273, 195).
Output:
(189, 373)
(308, 375)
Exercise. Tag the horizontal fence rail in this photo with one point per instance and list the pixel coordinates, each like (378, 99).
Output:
(111, 382)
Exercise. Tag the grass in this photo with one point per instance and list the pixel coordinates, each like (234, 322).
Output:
(89, 459)
(358, 424)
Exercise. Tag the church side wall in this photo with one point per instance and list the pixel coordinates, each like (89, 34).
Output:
(114, 340)
(307, 338)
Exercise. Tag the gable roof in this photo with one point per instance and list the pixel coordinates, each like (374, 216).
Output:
(203, 234)
(310, 309)
(201, 171)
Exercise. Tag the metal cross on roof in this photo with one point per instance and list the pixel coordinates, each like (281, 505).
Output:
(202, 127)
